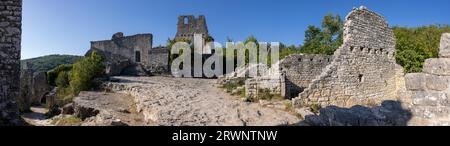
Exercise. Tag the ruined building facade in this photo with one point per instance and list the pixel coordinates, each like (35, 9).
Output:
(134, 55)
(188, 26)
(363, 70)
(10, 39)
(131, 55)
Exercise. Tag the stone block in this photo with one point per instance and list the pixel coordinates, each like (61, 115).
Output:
(437, 83)
(422, 98)
(437, 66)
(445, 46)
(415, 81)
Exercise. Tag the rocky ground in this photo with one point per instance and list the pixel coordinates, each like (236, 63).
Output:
(195, 102)
(107, 109)
(37, 116)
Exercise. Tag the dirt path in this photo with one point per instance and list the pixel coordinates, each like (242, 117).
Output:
(37, 117)
(195, 102)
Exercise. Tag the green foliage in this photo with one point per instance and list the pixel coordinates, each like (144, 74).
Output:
(265, 94)
(63, 79)
(230, 86)
(66, 120)
(410, 60)
(324, 40)
(47, 63)
(53, 74)
(415, 45)
(85, 71)
(286, 51)
(315, 108)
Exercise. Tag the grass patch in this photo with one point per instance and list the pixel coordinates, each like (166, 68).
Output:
(230, 86)
(266, 94)
(66, 121)
(63, 96)
(315, 108)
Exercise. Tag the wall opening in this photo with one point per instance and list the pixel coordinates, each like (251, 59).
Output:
(185, 20)
(361, 78)
(138, 56)
(44, 98)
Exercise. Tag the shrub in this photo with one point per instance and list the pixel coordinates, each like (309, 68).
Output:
(85, 71)
(415, 45)
(62, 80)
(53, 74)
(315, 108)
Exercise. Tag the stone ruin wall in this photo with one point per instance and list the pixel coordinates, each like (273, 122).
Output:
(158, 60)
(126, 46)
(293, 74)
(33, 87)
(189, 25)
(10, 39)
(430, 90)
(363, 70)
(300, 70)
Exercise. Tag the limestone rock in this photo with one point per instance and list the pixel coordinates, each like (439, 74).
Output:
(445, 46)
(68, 109)
(106, 109)
(197, 103)
(437, 66)
(415, 81)
(117, 35)
(390, 113)
(437, 83)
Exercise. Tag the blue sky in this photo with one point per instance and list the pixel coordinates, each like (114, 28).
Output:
(67, 26)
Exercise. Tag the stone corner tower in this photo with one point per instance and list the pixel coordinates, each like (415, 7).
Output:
(10, 44)
(188, 25)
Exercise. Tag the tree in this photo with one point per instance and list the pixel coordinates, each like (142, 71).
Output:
(324, 40)
(415, 45)
(85, 71)
(53, 74)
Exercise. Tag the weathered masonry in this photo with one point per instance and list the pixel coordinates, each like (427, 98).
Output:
(10, 39)
(188, 26)
(132, 55)
(300, 70)
(430, 90)
(363, 70)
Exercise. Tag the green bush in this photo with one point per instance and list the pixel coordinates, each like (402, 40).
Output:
(63, 79)
(324, 40)
(85, 71)
(415, 45)
(53, 74)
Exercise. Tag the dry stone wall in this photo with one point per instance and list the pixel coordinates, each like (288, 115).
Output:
(290, 76)
(363, 70)
(10, 39)
(299, 70)
(430, 90)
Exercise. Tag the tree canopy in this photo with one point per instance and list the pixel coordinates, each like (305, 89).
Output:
(324, 40)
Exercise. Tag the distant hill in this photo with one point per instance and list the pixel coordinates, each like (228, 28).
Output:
(46, 63)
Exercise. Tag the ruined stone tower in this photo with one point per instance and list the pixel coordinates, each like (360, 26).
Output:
(189, 25)
(363, 70)
(10, 39)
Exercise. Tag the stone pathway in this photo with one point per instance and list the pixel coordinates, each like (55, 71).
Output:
(37, 117)
(195, 102)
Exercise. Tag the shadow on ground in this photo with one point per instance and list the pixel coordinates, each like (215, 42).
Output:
(390, 113)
